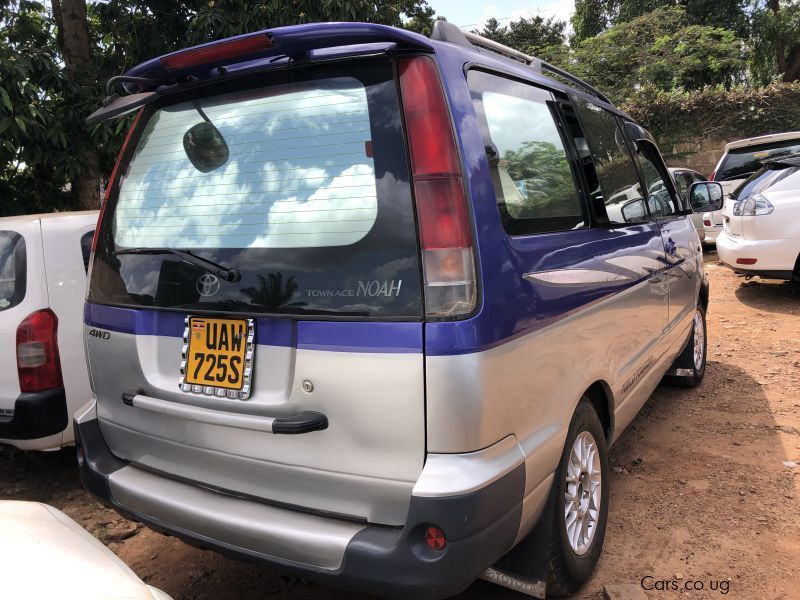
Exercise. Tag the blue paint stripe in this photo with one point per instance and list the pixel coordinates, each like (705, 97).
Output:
(339, 336)
(344, 336)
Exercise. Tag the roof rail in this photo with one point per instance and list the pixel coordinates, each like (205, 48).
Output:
(448, 32)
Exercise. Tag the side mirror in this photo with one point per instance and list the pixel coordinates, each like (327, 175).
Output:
(706, 196)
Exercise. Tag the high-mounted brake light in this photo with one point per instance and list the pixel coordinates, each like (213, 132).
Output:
(445, 237)
(216, 53)
(38, 363)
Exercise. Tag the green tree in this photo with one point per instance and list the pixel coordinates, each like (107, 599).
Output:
(591, 18)
(776, 41)
(543, 38)
(663, 49)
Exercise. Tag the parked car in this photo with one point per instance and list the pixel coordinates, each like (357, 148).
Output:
(358, 307)
(79, 567)
(43, 377)
(684, 178)
(762, 222)
(741, 159)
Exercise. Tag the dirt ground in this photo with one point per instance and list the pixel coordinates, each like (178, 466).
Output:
(700, 494)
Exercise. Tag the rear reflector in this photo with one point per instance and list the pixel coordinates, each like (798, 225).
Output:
(38, 364)
(445, 236)
(435, 538)
(216, 54)
(746, 261)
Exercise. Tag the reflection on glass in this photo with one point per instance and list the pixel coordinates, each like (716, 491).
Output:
(533, 179)
(286, 168)
(619, 181)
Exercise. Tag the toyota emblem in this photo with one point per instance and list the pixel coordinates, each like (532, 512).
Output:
(208, 284)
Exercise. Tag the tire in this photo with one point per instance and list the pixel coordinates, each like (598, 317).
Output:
(571, 562)
(687, 360)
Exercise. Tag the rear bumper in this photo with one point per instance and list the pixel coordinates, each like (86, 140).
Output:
(481, 526)
(774, 258)
(36, 415)
(712, 233)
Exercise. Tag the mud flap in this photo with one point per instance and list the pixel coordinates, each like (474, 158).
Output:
(524, 569)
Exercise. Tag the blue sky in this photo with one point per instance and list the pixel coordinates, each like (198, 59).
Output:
(472, 13)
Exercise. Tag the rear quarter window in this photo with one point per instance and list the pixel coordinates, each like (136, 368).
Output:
(13, 269)
(533, 180)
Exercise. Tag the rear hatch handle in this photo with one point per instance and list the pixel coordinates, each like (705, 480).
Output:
(304, 422)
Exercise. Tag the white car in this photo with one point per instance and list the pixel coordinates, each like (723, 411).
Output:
(741, 159)
(684, 178)
(761, 235)
(45, 554)
(43, 376)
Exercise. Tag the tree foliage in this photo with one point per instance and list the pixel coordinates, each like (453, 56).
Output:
(543, 38)
(661, 49)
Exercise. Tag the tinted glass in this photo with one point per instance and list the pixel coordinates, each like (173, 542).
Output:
(619, 187)
(743, 162)
(533, 180)
(86, 248)
(659, 196)
(761, 180)
(13, 271)
(302, 185)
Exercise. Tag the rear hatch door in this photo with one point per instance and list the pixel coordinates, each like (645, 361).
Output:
(258, 259)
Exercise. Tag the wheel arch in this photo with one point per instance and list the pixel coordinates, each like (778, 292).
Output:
(599, 394)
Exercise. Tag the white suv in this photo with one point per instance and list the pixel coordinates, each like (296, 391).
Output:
(43, 377)
(742, 158)
(762, 222)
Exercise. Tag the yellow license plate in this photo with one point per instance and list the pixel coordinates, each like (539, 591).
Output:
(216, 352)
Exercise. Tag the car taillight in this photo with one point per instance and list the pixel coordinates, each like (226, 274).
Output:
(112, 180)
(711, 177)
(448, 263)
(38, 363)
(707, 222)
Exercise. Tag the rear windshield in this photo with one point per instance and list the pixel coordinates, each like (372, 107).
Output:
(762, 180)
(12, 269)
(299, 180)
(740, 163)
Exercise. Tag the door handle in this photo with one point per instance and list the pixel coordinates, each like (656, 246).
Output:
(304, 422)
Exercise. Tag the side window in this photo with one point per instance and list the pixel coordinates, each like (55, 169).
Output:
(660, 199)
(530, 169)
(86, 248)
(618, 197)
(683, 181)
(13, 269)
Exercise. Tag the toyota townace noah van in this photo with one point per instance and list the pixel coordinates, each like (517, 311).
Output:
(371, 307)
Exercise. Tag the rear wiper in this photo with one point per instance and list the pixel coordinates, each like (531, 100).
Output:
(224, 273)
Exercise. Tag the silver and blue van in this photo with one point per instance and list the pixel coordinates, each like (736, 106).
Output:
(371, 307)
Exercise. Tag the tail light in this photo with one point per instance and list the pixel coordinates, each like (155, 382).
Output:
(707, 222)
(38, 363)
(711, 177)
(448, 262)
